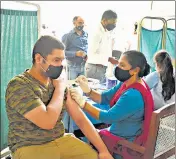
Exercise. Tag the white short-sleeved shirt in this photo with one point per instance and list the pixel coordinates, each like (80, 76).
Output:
(99, 46)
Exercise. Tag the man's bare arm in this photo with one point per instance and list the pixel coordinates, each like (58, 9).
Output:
(84, 124)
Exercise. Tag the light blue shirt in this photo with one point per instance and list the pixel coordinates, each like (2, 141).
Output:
(73, 43)
(155, 85)
(127, 115)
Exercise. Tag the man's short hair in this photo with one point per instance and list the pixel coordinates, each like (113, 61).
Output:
(116, 54)
(75, 18)
(45, 45)
(109, 14)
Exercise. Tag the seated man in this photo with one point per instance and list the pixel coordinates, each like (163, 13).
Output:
(35, 105)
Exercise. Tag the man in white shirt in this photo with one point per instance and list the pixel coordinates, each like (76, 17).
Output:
(100, 47)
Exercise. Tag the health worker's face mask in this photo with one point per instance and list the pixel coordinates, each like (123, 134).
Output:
(121, 75)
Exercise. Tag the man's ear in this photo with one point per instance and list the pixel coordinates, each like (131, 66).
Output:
(104, 21)
(38, 58)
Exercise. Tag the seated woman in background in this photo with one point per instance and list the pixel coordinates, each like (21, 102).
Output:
(162, 81)
(126, 114)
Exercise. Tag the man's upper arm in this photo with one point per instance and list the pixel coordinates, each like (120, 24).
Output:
(66, 41)
(22, 98)
(94, 41)
(75, 112)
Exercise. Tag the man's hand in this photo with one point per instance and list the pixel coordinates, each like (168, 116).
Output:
(113, 60)
(83, 83)
(81, 54)
(79, 99)
(105, 155)
(69, 100)
(85, 58)
(59, 83)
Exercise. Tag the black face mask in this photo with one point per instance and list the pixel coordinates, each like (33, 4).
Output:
(121, 75)
(110, 27)
(53, 72)
(80, 28)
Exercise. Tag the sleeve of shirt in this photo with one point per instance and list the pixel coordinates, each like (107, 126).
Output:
(94, 43)
(87, 41)
(128, 104)
(65, 40)
(107, 95)
(21, 97)
(113, 39)
(152, 79)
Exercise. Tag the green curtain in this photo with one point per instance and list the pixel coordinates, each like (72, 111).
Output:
(170, 42)
(19, 32)
(150, 43)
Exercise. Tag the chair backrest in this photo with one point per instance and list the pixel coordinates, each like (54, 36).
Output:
(161, 139)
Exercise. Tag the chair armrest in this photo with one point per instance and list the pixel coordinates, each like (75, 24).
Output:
(132, 146)
(5, 152)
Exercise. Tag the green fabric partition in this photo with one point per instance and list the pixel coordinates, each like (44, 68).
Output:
(170, 42)
(150, 43)
(19, 32)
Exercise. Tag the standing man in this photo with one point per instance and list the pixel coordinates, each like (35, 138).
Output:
(35, 104)
(76, 48)
(100, 47)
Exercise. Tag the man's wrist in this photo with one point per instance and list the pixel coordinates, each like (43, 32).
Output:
(103, 150)
(61, 92)
(85, 56)
(78, 53)
(81, 54)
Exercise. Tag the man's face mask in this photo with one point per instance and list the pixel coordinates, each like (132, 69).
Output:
(53, 72)
(121, 75)
(110, 27)
(80, 28)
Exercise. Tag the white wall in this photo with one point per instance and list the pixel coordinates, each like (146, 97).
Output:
(165, 9)
(58, 15)
(17, 6)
